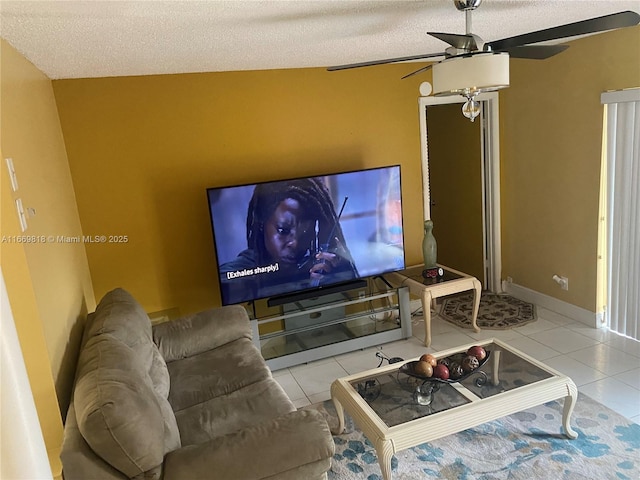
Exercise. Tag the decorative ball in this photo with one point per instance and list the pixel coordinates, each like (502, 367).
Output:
(478, 352)
(427, 357)
(423, 369)
(441, 371)
(470, 363)
(455, 370)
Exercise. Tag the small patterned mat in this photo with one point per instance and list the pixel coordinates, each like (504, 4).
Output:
(496, 312)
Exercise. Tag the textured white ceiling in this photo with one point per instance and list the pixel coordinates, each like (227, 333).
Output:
(93, 38)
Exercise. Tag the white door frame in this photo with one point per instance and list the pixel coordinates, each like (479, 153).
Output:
(490, 168)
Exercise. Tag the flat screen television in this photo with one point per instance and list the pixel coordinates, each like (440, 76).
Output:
(303, 237)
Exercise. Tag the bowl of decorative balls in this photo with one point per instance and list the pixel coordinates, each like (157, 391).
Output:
(451, 369)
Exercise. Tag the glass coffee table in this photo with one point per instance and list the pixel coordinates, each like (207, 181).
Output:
(395, 414)
(428, 289)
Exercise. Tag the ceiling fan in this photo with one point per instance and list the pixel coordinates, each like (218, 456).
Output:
(472, 66)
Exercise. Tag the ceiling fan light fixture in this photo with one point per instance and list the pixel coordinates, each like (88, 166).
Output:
(467, 4)
(470, 75)
(471, 108)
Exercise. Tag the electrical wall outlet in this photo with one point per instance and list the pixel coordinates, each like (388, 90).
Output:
(506, 283)
(562, 281)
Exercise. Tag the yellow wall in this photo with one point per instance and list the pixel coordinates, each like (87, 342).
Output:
(455, 171)
(551, 135)
(142, 151)
(48, 284)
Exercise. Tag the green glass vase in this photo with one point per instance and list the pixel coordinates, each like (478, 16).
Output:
(429, 246)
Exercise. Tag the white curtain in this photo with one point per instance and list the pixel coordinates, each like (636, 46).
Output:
(623, 211)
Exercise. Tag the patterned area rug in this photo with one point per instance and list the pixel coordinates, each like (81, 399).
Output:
(526, 445)
(496, 312)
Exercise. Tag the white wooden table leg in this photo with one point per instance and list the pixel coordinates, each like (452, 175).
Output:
(495, 358)
(340, 412)
(569, 403)
(477, 293)
(426, 313)
(384, 450)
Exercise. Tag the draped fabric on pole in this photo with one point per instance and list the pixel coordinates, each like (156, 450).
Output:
(623, 210)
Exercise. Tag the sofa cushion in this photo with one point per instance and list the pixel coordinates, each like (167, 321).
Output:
(295, 446)
(159, 375)
(216, 372)
(118, 412)
(79, 461)
(202, 331)
(120, 315)
(251, 405)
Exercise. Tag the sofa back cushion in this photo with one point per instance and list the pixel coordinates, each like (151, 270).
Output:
(121, 389)
(120, 315)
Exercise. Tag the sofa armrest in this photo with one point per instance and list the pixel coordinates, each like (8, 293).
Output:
(283, 445)
(200, 332)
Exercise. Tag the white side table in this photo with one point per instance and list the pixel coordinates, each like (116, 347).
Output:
(428, 289)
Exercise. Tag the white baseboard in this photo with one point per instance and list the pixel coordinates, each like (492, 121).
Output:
(579, 314)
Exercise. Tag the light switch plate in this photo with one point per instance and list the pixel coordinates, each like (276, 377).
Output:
(12, 174)
(21, 215)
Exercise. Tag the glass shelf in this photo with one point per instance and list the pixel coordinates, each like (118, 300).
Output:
(315, 328)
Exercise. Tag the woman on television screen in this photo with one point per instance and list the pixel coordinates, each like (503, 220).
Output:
(294, 242)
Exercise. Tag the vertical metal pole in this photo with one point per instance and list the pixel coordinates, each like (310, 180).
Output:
(405, 311)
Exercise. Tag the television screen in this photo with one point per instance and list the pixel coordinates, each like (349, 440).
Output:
(306, 234)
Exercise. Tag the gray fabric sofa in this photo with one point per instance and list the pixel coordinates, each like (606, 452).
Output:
(182, 400)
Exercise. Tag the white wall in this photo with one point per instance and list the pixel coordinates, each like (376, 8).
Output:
(22, 451)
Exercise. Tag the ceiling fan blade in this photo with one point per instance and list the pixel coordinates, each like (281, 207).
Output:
(535, 52)
(462, 42)
(420, 70)
(593, 25)
(382, 62)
